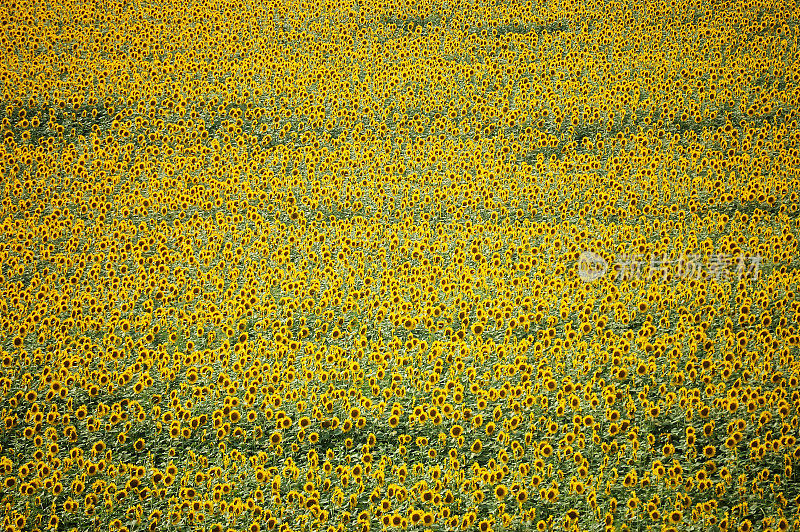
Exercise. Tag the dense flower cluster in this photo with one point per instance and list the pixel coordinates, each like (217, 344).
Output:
(312, 266)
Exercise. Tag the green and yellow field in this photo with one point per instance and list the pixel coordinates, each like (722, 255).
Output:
(298, 266)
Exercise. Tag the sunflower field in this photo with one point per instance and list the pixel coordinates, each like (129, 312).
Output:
(316, 266)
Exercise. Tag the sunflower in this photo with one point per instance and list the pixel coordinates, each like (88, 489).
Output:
(476, 446)
(500, 492)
